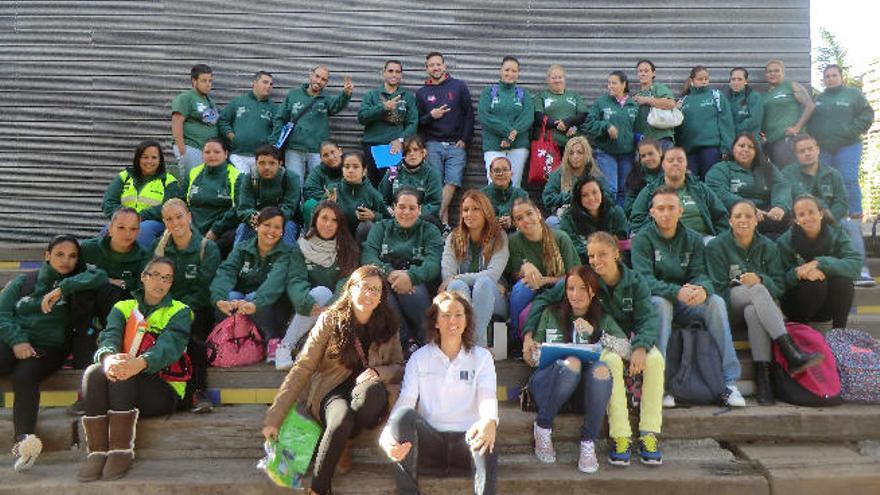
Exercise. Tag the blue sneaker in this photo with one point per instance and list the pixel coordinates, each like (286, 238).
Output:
(620, 452)
(649, 450)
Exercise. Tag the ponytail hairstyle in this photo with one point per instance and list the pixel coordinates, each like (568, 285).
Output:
(747, 90)
(621, 76)
(552, 257)
(686, 90)
(827, 217)
(166, 236)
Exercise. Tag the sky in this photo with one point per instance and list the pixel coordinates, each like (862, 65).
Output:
(853, 21)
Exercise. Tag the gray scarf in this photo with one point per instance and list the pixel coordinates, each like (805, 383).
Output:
(318, 251)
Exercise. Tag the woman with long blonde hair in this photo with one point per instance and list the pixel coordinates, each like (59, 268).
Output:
(577, 161)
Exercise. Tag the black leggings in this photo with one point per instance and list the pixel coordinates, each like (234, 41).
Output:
(272, 320)
(149, 393)
(26, 377)
(819, 301)
(93, 304)
(202, 325)
(346, 410)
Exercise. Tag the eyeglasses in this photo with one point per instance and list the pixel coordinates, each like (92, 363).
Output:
(369, 289)
(165, 279)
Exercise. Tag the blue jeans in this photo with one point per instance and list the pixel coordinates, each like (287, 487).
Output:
(846, 161)
(853, 228)
(297, 161)
(244, 232)
(485, 298)
(700, 160)
(301, 324)
(553, 221)
(448, 159)
(186, 162)
(713, 312)
(411, 308)
(235, 295)
(615, 168)
(554, 385)
(520, 297)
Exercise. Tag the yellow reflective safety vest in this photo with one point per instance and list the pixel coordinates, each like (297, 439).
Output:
(152, 194)
(231, 176)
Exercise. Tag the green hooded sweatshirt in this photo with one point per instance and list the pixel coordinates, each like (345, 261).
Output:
(96, 254)
(416, 249)
(566, 107)
(382, 128)
(827, 186)
(312, 128)
(170, 343)
(731, 183)
(21, 317)
(522, 250)
(657, 91)
(303, 275)
(606, 112)
(712, 210)
(212, 198)
(747, 109)
(194, 270)
(838, 258)
(161, 181)
(725, 260)
(246, 271)
(707, 120)
(781, 111)
(502, 199)
(554, 198)
(256, 193)
(629, 304)
(250, 120)
(842, 116)
(668, 264)
(424, 178)
(612, 221)
(350, 196)
(504, 107)
(320, 178)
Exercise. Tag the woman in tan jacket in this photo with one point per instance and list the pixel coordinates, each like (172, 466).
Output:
(350, 365)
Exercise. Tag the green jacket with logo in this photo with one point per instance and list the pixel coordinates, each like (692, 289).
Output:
(418, 247)
(194, 270)
(144, 194)
(312, 128)
(668, 264)
(827, 186)
(732, 182)
(613, 221)
(350, 196)
(172, 334)
(568, 107)
(781, 111)
(725, 260)
(842, 116)
(747, 112)
(320, 178)
(21, 317)
(96, 254)
(211, 193)
(629, 304)
(510, 108)
(256, 193)
(840, 260)
(200, 117)
(712, 209)
(502, 199)
(522, 250)
(250, 120)
(707, 120)
(377, 128)
(606, 112)
(246, 271)
(642, 127)
(425, 179)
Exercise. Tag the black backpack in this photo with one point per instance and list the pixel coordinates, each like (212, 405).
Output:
(693, 367)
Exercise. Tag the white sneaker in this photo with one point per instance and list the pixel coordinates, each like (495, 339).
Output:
(735, 398)
(26, 452)
(544, 450)
(668, 401)
(587, 462)
(283, 359)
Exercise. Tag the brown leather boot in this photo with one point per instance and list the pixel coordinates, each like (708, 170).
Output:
(121, 453)
(96, 431)
(344, 464)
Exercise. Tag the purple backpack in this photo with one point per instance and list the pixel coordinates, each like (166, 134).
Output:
(858, 362)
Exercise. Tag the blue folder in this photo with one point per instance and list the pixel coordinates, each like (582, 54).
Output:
(382, 156)
(550, 353)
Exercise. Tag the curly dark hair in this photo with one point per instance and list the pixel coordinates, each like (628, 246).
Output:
(431, 315)
(382, 326)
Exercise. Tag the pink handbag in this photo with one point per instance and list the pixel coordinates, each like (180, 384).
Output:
(235, 342)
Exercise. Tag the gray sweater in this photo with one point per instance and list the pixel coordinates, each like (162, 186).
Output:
(450, 266)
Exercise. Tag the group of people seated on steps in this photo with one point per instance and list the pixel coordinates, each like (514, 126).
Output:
(380, 310)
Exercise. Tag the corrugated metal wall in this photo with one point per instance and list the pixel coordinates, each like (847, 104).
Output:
(82, 82)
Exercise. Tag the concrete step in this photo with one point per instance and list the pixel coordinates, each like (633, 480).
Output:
(685, 471)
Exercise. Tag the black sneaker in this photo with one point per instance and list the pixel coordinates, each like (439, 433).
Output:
(78, 408)
(202, 403)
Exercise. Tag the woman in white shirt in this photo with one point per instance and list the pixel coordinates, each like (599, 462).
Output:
(453, 383)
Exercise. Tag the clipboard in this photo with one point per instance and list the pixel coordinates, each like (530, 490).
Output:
(550, 353)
